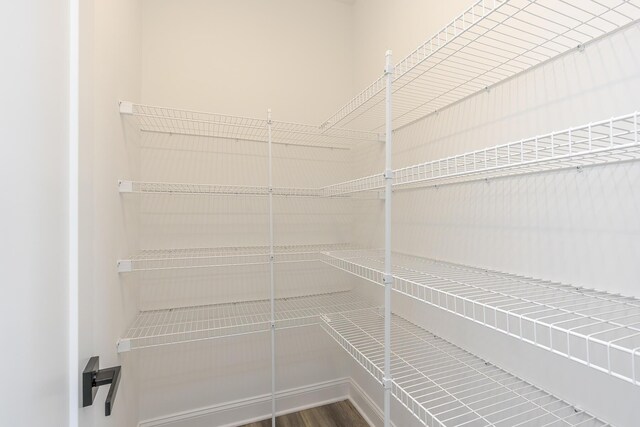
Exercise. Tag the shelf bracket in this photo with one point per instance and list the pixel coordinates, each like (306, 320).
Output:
(94, 377)
(125, 266)
(124, 345)
(125, 186)
(126, 107)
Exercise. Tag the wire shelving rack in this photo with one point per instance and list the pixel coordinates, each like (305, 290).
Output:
(608, 141)
(139, 187)
(591, 327)
(155, 328)
(616, 139)
(490, 42)
(443, 385)
(184, 258)
(197, 123)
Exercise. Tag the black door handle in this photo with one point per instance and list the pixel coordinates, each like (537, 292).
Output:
(93, 377)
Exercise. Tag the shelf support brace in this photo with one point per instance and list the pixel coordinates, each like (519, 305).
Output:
(388, 278)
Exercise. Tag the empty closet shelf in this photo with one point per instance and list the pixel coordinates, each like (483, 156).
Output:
(170, 259)
(443, 385)
(138, 187)
(171, 326)
(607, 141)
(196, 123)
(489, 42)
(595, 328)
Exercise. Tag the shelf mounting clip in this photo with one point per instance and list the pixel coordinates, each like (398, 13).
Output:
(126, 107)
(387, 383)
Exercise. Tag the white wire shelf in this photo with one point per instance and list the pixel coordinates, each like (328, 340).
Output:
(196, 123)
(443, 385)
(179, 325)
(608, 141)
(171, 259)
(368, 183)
(489, 42)
(139, 187)
(594, 328)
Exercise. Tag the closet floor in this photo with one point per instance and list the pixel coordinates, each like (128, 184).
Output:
(339, 414)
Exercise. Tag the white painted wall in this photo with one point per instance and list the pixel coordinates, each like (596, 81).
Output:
(195, 384)
(242, 57)
(110, 71)
(34, 215)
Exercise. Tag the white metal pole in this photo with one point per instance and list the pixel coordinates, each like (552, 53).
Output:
(388, 278)
(272, 290)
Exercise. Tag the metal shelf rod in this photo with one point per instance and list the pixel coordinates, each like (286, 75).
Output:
(388, 278)
(271, 279)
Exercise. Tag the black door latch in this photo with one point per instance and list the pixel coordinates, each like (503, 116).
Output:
(93, 377)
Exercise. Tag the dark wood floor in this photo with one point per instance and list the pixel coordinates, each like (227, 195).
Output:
(340, 414)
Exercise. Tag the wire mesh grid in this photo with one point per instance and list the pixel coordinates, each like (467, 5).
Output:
(171, 326)
(443, 385)
(608, 141)
(489, 42)
(368, 183)
(345, 190)
(223, 190)
(196, 123)
(594, 328)
(169, 259)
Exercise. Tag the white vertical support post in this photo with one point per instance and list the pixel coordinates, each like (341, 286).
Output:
(570, 141)
(611, 131)
(271, 278)
(522, 151)
(388, 277)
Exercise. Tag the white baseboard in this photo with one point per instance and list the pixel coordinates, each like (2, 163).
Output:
(365, 405)
(244, 411)
(256, 408)
(369, 410)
